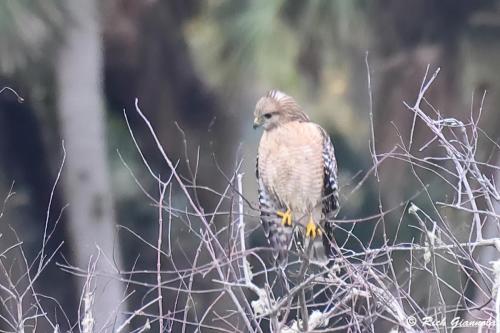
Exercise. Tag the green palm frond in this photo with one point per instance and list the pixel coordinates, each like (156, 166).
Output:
(257, 37)
(265, 37)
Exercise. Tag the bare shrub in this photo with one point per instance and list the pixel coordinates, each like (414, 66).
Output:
(443, 278)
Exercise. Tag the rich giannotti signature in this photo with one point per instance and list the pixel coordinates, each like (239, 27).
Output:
(455, 322)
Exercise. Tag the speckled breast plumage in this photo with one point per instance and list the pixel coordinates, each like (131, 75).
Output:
(291, 165)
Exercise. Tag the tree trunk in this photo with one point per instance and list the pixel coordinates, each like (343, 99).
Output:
(86, 175)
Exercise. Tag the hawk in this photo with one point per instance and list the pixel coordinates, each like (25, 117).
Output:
(297, 176)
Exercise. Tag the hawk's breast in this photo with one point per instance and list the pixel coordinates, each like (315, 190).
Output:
(291, 165)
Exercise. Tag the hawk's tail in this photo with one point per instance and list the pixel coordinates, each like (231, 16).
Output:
(280, 239)
(316, 250)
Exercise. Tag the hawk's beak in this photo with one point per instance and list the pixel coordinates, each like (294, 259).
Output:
(256, 123)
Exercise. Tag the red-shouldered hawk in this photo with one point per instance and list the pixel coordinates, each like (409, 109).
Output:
(297, 176)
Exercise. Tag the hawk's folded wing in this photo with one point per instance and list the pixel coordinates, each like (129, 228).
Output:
(330, 191)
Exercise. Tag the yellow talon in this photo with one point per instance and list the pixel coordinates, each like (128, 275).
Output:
(311, 230)
(286, 217)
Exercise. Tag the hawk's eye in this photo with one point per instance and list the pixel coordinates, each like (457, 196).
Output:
(268, 115)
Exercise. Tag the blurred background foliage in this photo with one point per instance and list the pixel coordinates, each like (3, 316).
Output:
(29, 31)
(203, 64)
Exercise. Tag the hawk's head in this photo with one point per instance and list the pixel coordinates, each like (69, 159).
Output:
(277, 108)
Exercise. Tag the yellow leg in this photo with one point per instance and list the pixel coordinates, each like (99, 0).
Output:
(286, 217)
(311, 230)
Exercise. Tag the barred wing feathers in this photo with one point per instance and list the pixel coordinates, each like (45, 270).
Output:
(330, 191)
